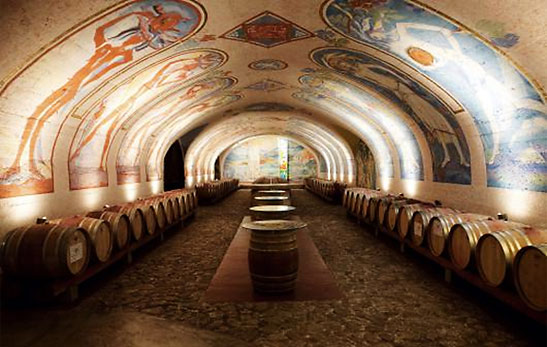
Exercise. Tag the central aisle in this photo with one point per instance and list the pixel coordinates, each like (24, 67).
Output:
(389, 298)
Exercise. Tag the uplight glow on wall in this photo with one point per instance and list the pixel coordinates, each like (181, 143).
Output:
(283, 150)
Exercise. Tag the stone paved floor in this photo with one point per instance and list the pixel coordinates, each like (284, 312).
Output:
(391, 299)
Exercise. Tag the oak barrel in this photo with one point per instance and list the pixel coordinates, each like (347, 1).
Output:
(45, 251)
(267, 212)
(392, 213)
(99, 232)
(405, 217)
(273, 255)
(136, 218)
(496, 251)
(439, 226)
(271, 200)
(149, 214)
(530, 275)
(463, 238)
(419, 226)
(119, 225)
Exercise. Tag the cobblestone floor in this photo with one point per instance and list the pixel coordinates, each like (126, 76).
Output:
(391, 299)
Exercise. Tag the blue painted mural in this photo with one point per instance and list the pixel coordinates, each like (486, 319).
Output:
(450, 152)
(508, 110)
(369, 106)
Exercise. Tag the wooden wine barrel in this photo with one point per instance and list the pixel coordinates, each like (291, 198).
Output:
(393, 208)
(405, 215)
(345, 198)
(357, 203)
(185, 208)
(150, 222)
(136, 218)
(175, 201)
(383, 205)
(45, 251)
(438, 227)
(99, 233)
(271, 200)
(269, 212)
(159, 211)
(463, 238)
(273, 255)
(119, 225)
(530, 275)
(496, 251)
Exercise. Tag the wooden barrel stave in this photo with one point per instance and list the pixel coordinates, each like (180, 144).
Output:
(45, 251)
(463, 238)
(530, 275)
(99, 232)
(119, 225)
(495, 252)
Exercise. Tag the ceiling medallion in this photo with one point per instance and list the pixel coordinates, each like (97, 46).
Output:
(267, 30)
(268, 65)
(421, 56)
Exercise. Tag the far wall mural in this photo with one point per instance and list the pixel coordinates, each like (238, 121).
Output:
(260, 156)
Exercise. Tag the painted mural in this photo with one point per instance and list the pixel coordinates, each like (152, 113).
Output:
(95, 134)
(263, 156)
(365, 166)
(508, 110)
(268, 65)
(267, 85)
(114, 41)
(267, 30)
(371, 133)
(191, 99)
(496, 33)
(302, 162)
(236, 164)
(445, 138)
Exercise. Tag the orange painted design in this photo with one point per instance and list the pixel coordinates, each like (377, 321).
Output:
(421, 56)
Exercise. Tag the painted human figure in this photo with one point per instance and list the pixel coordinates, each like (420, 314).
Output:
(115, 44)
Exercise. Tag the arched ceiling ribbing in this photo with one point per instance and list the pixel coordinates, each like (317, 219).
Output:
(216, 138)
(427, 93)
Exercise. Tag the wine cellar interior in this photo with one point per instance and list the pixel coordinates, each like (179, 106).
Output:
(273, 173)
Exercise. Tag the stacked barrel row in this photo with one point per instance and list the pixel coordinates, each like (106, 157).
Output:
(503, 253)
(64, 247)
(270, 180)
(328, 190)
(211, 192)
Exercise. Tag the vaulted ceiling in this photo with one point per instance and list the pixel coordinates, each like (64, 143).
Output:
(441, 91)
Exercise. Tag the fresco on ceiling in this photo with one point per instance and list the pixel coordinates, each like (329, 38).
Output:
(45, 91)
(260, 156)
(87, 169)
(369, 132)
(508, 111)
(376, 110)
(141, 127)
(302, 162)
(496, 33)
(267, 30)
(444, 136)
(268, 106)
(268, 65)
(331, 37)
(365, 166)
(267, 85)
